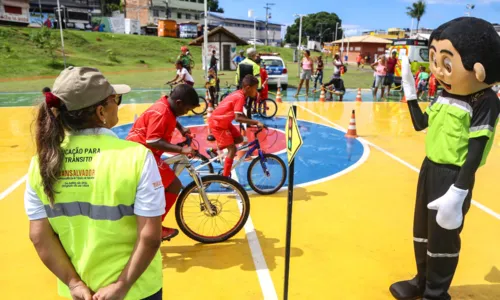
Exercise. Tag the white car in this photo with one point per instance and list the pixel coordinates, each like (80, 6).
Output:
(276, 69)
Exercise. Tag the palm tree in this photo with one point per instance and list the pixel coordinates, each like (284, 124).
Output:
(416, 10)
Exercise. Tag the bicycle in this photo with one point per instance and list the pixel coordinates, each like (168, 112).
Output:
(200, 110)
(266, 108)
(201, 188)
(253, 173)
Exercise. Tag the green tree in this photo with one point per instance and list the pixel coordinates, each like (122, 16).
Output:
(213, 6)
(313, 25)
(416, 10)
(108, 6)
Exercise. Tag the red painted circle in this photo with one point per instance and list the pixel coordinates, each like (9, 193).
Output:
(271, 140)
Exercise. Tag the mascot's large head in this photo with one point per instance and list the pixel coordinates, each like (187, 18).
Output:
(464, 55)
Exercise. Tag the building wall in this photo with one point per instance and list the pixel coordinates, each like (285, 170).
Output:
(244, 29)
(21, 14)
(181, 11)
(139, 10)
(366, 49)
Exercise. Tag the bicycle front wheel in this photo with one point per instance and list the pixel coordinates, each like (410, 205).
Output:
(200, 110)
(229, 203)
(266, 176)
(267, 108)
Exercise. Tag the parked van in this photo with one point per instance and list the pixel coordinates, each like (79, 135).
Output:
(417, 52)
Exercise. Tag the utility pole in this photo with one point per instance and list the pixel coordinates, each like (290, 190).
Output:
(205, 41)
(299, 46)
(267, 7)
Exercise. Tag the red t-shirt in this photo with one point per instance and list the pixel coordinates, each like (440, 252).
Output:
(224, 114)
(391, 65)
(157, 122)
(264, 92)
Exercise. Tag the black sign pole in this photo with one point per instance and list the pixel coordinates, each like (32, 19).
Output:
(289, 210)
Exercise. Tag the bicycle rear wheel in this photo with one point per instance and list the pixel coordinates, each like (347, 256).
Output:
(224, 194)
(269, 177)
(200, 110)
(267, 108)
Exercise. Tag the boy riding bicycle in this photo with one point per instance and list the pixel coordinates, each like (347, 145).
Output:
(225, 133)
(155, 128)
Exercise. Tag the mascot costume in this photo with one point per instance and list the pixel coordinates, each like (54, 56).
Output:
(464, 57)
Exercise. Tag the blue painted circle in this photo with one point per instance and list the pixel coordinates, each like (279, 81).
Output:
(324, 153)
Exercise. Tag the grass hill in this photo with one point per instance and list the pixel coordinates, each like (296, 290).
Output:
(140, 61)
(21, 57)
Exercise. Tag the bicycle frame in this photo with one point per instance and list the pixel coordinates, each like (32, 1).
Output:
(249, 149)
(184, 163)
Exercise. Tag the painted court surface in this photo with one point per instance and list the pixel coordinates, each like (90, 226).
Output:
(352, 215)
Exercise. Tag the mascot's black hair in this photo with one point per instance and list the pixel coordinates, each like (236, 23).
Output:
(476, 41)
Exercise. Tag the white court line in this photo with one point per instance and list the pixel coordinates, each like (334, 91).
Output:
(477, 204)
(20, 181)
(265, 280)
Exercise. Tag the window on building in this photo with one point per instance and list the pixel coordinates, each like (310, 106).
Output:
(357, 48)
(381, 49)
(196, 16)
(188, 16)
(156, 13)
(13, 10)
(179, 15)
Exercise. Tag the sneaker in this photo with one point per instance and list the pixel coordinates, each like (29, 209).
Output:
(211, 153)
(168, 233)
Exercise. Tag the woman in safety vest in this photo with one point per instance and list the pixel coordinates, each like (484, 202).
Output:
(94, 201)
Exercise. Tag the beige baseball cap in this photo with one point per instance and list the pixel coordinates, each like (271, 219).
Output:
(80, 87)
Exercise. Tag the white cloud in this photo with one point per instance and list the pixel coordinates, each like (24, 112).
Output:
(351, 29)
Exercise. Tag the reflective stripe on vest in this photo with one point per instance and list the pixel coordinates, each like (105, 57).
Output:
(93, 214)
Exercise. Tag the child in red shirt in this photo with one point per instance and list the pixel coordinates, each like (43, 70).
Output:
(154, 129)
(231, 108)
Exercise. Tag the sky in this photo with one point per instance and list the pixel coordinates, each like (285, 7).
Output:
(361, 15)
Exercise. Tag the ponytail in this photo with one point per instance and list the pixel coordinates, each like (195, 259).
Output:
(49, 136)
(52, 121)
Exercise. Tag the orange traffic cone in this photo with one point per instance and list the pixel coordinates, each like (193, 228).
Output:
(322, 97)
(210, 109)
(498, 94)
(278, 96)
(358, 96)
(351, 131)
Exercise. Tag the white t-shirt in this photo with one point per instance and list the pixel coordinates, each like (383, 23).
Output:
(187, 76)
(149, 198)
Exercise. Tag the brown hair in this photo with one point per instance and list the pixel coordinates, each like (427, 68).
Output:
(51, 127)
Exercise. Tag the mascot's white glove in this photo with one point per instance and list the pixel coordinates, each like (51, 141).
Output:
(449, 208)
(407, 79)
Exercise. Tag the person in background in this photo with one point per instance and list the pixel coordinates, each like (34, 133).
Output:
(154, 129)
(182, 75)
(336, 87)
(211, 85)
(391, 68)
(319, 73)
(380, 68)
(95, 217)
(45, 90)
(423, 80)
(185, 58)
(337, 65)
(239, 58)
(307, 65)
(264, 92)
(213, 62)
(358, 60)
(249, 66)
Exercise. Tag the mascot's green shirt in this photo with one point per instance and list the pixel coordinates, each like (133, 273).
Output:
(453, 120)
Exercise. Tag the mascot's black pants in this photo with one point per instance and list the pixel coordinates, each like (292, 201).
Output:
(436, 248)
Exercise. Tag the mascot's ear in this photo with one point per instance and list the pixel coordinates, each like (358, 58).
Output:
(480, 72)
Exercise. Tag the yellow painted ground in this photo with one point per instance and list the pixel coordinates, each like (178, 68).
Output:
(352, 236)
